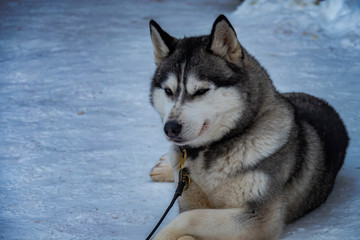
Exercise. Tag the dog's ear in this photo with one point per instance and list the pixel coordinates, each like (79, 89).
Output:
(223, 41)
(163, 43)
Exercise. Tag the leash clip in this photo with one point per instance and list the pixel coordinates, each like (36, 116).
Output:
(184, 181)
(183, 156)
(184, 175)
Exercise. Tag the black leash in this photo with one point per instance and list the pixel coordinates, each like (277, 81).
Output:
(183, 185)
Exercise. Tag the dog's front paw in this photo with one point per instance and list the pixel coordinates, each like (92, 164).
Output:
(168, 233)
(164, 236)
(186, 238)
(172, 237)
(162, 171)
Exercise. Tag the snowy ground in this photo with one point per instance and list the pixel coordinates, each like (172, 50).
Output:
(79, 137)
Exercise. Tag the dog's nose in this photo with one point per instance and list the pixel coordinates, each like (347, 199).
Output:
(172, 129)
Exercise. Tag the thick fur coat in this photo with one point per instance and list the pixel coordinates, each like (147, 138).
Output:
(258, 159)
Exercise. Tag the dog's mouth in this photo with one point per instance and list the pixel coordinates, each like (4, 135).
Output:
(204, 127)
(181, 141)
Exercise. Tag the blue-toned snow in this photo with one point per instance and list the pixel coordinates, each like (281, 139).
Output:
(78, 136)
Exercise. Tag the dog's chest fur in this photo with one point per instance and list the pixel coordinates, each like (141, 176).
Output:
(224, 187)
(232, 177)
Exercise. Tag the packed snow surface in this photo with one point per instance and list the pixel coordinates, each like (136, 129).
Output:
(79, 136)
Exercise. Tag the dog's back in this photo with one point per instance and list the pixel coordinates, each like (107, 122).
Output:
(329, 130)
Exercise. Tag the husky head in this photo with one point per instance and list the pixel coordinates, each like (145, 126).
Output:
(200, 87)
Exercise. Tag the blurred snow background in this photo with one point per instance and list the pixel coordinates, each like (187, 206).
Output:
(78, 136)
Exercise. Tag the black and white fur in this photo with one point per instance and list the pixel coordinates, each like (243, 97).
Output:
(258, 158)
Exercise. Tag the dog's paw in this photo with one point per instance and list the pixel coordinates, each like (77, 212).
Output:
(172, 238)
(186, 238)
(162, 171)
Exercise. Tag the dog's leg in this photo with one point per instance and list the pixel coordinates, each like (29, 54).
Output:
(162, 171)
(186, 238)
(225, 224)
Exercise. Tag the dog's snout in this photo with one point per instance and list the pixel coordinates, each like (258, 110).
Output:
(172, 129)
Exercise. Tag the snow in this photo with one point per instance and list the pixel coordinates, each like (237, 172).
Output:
(79, 137)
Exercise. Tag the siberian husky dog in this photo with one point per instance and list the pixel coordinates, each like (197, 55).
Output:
(258, 159)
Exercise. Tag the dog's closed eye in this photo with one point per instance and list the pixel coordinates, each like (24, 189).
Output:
(168, 92)
(201, 92)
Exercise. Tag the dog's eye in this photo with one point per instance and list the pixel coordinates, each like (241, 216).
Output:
(168, 92)
(201, 92)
